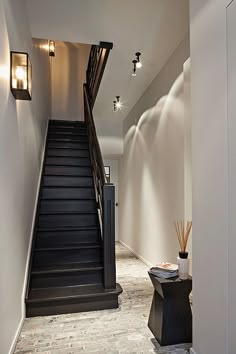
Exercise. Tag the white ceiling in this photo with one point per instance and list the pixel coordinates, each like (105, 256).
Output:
(153, 27)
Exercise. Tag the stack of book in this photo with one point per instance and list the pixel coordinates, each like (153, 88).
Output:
(165, 270)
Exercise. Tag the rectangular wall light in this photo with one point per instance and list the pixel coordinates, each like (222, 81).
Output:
(21, 76)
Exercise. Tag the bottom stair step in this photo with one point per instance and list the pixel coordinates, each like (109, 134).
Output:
(71, 299)
(66, 275)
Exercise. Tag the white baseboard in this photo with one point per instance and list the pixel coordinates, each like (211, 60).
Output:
(12, 349)
(136, 254)
(33, 222)
(192, 351)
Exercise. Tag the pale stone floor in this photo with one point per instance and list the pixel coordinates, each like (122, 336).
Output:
(117, 331)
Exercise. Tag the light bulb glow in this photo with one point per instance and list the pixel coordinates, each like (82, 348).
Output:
(134, 73)
(118, 104)
(139, 65)
(51, 45)
(20, 73)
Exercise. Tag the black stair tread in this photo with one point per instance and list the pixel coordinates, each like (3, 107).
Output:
(67, 148)
(69, 247)
(67, 212)
(65, 122)
(82, 145)
(63, 175)
(71, 267)
(82, 228)
(78, 132)
(69, 139)
(70, 292)
(49, 164)
(67, 156)
(72, 187)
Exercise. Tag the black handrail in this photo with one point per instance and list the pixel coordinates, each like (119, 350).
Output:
(96, 66)
(105, 192)
(95, 154)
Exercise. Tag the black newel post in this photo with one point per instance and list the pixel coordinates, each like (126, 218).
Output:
(109, 236)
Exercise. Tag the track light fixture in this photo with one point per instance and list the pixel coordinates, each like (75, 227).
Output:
(139, 63)
(135, 66)
(117, 104)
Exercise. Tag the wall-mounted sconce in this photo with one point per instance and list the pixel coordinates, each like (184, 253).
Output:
(134, 69)
(139, 63)
(52, 46)
(21, 76)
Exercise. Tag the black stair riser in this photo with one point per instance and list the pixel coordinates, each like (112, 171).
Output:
(68, 130)
(68, 135)
(52, 238)
(67, 161)
(66, 256)
(67, 206)
(55, 181)
(67, 145)
(72, 138)
(71, 306)
(67, 171)
(67, 193)
(66, 279)
(67, 152)
(66, 123)
(75, 220)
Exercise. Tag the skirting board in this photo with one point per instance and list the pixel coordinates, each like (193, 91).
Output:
(136, 254)
(12, 349)
(192, 351)
(148, 264)
(33, 220)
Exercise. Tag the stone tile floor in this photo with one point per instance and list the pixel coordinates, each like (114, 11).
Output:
(117, 331)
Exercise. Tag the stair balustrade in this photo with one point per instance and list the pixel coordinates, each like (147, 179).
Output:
(105, 197)
(96, 66)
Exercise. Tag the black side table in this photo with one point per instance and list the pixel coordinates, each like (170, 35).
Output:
(170, 318)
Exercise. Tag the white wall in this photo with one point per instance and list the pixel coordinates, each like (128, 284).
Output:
(114, 170)
(231, 30)
(188, 152)
(213, 178)
(22, 131)
(68, 74)
(151, 190)
(110, 136)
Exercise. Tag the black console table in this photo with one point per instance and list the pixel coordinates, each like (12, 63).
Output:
(170, 318)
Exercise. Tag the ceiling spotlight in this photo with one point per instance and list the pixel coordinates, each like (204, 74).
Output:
(139, 63)
(118, 103)
(135, 66)
(114, 106)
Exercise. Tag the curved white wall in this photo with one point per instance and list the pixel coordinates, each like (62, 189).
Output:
(152, 167)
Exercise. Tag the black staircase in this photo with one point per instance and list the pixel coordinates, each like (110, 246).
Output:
(72, 265)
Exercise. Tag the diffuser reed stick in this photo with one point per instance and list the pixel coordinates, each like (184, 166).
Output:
(183, 232)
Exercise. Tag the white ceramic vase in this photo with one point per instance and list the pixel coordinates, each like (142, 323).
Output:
(183, 266)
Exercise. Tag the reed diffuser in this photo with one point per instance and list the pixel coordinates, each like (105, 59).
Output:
(183, 232)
